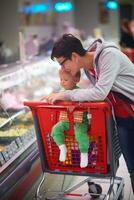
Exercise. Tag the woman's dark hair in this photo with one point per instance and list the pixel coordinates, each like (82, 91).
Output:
(66, 45)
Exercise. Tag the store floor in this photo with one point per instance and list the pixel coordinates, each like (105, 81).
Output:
(55, 183)
(122, 172)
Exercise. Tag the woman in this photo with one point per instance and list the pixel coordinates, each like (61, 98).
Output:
(109, 70)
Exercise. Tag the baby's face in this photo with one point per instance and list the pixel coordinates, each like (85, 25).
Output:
(67, 81)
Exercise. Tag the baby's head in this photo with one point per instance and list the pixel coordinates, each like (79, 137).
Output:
(67, 81)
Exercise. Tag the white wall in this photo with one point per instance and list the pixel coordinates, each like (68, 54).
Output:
(9, 23)
(47, 30)
(111, 30)
(61, 17)
(86, 15)
(66, 16)
(87, 18)
(41, 31)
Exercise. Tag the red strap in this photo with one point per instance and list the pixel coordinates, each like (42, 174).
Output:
(121, 107)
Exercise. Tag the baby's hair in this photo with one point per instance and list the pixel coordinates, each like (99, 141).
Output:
(63, 71)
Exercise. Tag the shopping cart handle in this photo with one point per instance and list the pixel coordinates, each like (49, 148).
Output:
(68, 104)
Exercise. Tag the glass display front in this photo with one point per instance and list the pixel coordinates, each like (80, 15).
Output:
(31, 81)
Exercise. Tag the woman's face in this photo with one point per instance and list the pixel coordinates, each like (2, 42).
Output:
(70, 65)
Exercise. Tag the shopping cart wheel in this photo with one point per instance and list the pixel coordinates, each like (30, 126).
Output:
(94, 189)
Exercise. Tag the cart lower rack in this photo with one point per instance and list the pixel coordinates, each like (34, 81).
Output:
(104, 151)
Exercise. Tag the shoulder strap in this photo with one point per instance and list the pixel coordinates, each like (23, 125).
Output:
(121, 96)
(97, 59)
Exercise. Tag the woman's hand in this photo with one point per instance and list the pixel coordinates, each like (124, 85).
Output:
(54, 97)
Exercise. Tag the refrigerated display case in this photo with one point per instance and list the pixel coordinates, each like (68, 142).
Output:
(19, 159)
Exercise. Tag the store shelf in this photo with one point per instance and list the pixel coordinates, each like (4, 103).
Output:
(18, 149)
(10, 119)
(11, 179)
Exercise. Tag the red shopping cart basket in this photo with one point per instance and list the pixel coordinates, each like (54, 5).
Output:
(104, 148)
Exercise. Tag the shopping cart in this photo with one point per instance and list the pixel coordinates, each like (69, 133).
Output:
(103, 164)
(129, 53)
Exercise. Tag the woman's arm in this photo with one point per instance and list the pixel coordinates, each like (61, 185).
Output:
(109, 65)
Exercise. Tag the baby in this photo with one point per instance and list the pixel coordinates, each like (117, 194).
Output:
(81, 123)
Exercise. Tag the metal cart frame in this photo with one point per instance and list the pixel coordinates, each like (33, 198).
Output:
(111, 143)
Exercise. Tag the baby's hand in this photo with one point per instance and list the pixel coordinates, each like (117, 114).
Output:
(53, 97)
(43, 99)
